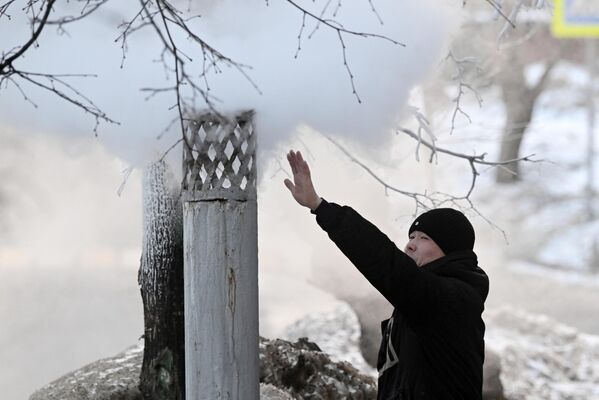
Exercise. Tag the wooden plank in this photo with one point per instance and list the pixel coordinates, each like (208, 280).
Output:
(221, 300)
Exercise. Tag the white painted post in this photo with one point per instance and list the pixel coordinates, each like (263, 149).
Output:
(220, 259)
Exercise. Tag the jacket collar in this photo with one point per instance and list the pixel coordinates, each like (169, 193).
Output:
(461, 265)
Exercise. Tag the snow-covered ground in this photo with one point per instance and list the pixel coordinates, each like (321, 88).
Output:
(541, 358)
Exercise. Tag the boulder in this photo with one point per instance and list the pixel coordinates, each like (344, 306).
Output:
(115, 378)
(337, 333)
(371, 309)
(492, 386)
(307, 373)
(287, 371)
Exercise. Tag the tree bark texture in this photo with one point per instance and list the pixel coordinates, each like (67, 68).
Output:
(221, 299)
(161, 283)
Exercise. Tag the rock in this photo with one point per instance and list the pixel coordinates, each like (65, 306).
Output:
(270, 392)
(115, 378)
(371, 310)
(307, 373)
(492, 386)
(337, 333)
(287, 371)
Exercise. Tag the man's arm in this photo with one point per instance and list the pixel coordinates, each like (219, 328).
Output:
(395, 275)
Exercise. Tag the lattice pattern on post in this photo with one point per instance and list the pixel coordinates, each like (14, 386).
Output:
(219, 155)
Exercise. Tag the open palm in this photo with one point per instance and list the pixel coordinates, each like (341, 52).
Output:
(301, 188)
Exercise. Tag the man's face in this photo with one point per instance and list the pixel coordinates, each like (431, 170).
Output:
(422, 249)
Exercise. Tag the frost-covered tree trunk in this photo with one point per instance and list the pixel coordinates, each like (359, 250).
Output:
(161, 283)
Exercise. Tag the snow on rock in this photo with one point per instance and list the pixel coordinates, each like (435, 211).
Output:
(305, 372)
(541, 358)
(270, 392)
(110, 378)
(337, 333)
(288, 371)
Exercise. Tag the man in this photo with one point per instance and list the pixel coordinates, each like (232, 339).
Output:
(433, 345)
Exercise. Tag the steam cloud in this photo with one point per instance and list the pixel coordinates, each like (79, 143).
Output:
(313, 89)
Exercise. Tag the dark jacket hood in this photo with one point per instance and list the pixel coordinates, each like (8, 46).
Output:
(462, 265)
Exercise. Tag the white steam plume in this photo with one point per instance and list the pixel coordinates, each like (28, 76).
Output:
(315, 88)
(312, 89)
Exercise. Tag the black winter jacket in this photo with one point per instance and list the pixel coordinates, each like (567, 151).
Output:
(433, 345)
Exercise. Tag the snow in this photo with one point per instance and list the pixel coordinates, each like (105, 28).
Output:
(577, 244)
(541, 358)
(572, 278)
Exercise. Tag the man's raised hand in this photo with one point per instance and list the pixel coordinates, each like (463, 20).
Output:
(301, 188)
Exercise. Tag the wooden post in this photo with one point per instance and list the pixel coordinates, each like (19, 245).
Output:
(220, 259)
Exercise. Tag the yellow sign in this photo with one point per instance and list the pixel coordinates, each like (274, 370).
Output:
(575, 18)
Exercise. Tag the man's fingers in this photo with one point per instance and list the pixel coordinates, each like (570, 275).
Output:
(297, 162)
(289, 185)
(292, 161)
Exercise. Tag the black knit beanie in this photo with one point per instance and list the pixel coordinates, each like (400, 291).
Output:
(449, 228)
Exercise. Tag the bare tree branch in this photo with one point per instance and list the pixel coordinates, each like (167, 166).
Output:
(424, 201)
(54, 83)
(472, 159)
(4, 8)
(497, 8)
(6, 63)
(460, 65)
(340, 30)
(85, 12)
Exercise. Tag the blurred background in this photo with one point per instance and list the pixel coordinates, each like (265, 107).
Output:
(467, 81)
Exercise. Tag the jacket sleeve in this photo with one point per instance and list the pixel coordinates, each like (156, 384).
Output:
(415, 292)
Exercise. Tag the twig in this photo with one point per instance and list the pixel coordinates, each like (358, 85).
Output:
(340, 32)
(500, 12)
(84, 13)
(4, 64)
(460, 63)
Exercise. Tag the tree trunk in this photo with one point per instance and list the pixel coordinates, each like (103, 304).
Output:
(518, 117)
(519, 99)
(161, 283)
